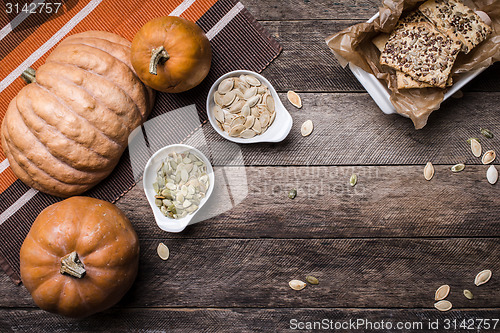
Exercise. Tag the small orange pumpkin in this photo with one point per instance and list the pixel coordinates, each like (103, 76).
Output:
(171, 54)
(80, 257)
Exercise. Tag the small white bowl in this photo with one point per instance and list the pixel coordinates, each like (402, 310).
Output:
(154, 163)
(278, 130)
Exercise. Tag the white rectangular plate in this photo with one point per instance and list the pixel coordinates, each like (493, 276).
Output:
(381, 94)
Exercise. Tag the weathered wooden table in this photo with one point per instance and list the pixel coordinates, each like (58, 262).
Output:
(379, 249)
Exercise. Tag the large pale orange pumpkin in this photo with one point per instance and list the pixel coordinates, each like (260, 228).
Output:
(80, 257)
(171, 54)
(66, 131)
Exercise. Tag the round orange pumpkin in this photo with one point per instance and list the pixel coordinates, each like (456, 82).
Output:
(65, 132)
(171, 54)
(80, 257)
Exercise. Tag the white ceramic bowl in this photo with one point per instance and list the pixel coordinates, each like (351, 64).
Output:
(154, 163)
(278, 130)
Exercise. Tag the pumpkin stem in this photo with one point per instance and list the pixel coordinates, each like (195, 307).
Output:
(71, 265)
(28, 75)
(158, 56)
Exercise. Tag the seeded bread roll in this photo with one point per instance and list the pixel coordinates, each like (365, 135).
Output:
(457, 21)
(422, 52)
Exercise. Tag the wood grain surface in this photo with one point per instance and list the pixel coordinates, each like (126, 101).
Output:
(353, 273)
(229, 320)
(349, 129)
(392, 201)
(379, 249)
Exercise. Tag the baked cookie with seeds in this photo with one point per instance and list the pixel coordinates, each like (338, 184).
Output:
(422, 52)
(457, 21)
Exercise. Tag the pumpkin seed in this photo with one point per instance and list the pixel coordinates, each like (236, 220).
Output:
(482, 277)
(292, 194)
(492, 175)
(228, 98)
(470, 139)
(468, 294)
(249, 122)
(443, 305)
(297, 284)
(307, 128)
(226, 86)
(428, 171)
(475, 147)
(312, 280)
(252, 80)
(270, 103)
(245, 111)
(247, 134)
(486, 133)
(236, 130)
(163, 251)
(488, 157)
(442, 292)
(218, 99)
(236, 107)
(257, 127)
(252, 101)
(294, 99)
(353, 180)
(458, 167)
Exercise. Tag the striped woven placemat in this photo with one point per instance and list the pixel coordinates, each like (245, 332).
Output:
(26, 39)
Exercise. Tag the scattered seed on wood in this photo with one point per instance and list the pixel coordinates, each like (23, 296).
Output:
(475, 147)
(492, 175)
(482, 277)
(470, 139)
(428, 171)
(294, 99)
(297, 284)
(292, 194)
(307, 128)
(443, 305)
(487, 133)
(489, 157)
(353, 180)
(163, 251)
(458, 167)
(312, 280)
(468, 294)
(442, 292)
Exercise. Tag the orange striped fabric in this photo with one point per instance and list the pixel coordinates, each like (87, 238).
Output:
(127, 18)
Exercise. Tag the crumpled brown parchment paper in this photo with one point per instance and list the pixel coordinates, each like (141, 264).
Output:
(353, 45)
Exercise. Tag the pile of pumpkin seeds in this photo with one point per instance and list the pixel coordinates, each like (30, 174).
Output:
(244, 107)
(181, 183)
(475, 145)
(443, 291)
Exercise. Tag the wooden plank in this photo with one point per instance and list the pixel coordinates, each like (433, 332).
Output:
(239, 320)
(373, 273)
(311, 10)
(349, 129)
(307, 64)
(386, 202)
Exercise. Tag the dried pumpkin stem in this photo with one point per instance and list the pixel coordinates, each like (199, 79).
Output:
(71, 265)
(158, 56)
(28, 75)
